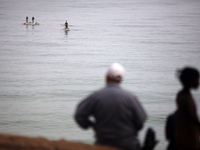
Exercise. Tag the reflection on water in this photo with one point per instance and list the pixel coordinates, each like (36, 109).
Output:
(66, 31)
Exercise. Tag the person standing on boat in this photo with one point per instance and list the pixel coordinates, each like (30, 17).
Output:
(118, 115)
(66, 25)
(27, 19)
(33, 20)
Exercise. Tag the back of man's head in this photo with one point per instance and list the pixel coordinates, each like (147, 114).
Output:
(115, 73)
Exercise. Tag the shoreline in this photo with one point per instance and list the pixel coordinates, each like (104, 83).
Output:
(17, 142)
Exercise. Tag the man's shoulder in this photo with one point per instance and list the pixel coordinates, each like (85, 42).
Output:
(98, 91)
(116, 90)
(128, 92)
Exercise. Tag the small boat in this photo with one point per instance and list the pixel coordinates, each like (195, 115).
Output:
(66, 29)
(30, 23)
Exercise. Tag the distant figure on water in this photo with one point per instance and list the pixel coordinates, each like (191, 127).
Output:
(33, 19)
(30, 23)
(66, 25)
(26, 19)
(185, 125)
(117, 114)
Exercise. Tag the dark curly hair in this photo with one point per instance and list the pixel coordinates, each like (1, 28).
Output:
(187, 74)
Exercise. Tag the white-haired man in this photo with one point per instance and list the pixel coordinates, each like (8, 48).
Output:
(118, 115)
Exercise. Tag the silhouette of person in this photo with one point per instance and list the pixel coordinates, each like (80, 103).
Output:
(187, 125)
(118, 115)
(66, 25)
(33, 20)
(170, 128)
(26, 19)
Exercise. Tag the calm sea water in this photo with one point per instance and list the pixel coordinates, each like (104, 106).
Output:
(45, 71)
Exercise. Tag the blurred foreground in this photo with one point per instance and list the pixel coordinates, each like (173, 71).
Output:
(15, 142)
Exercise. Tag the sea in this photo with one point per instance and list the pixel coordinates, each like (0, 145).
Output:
(46, 71)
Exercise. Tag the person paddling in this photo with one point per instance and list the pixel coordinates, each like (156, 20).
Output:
(33, 19)
(66, 25)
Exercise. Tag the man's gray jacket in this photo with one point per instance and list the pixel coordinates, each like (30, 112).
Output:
(118, 116)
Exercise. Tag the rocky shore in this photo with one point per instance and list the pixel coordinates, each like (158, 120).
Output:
(16, 142)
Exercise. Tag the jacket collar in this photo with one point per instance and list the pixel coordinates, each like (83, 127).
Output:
(112, 84)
